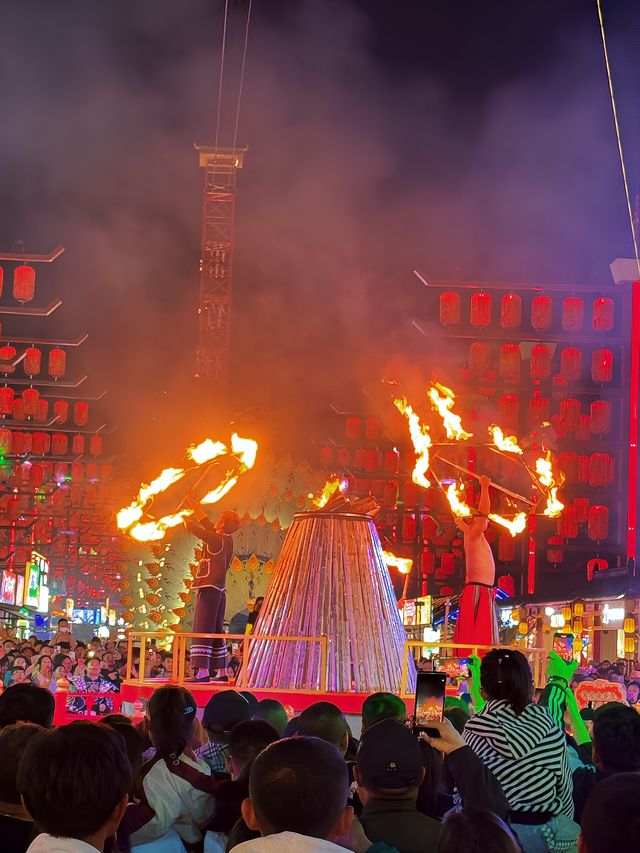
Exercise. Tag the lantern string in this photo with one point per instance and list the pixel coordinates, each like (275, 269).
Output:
(244, 59)
(616, 123)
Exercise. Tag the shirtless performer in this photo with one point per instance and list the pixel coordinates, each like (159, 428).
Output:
(477, 622)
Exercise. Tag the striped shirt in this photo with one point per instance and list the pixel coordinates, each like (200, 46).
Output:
(527, 753)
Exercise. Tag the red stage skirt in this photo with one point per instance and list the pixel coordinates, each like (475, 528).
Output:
(477, 622)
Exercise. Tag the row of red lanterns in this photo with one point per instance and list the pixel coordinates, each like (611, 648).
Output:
(24, 282)
(18, 442)
(597, 531)
(480, 311)
(370, 460)
(31, 404)
(356, 428)
(32, 362)
(510, 363)
(597, 469)
(570, 418)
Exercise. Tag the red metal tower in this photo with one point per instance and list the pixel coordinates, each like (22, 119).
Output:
(214, 309)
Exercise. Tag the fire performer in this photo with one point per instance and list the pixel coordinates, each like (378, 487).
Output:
(477, 622)
(210, 655)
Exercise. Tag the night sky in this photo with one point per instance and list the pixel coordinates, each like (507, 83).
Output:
(470, 139)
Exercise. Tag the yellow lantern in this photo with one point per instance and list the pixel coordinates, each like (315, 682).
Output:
(566, 629)
(523, 628)
(566, 613)
(577, 626)
(577, 645)
(578, 608)
(629, 625)
(629, 645)
(515, 615)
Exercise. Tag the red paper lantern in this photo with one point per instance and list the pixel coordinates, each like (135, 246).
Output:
(43, 410)
(77, 472)
(40, 443)
(581, 506)
(555, 555)
(30, 400)
(326, 456)
(600, 417)
(598, 523)
(6, 399)
(59, 444)
(358, 459)
(506, 582)
(5, 442)
(32, 361)
(506, 547)
(510, 311)
(540, 362)
(7, 355)
(480, 309)
(353, 428)
(603, 314)
(479, 358)
(24, 283)
(539, 411)
(372, 460)
(372, 429)
(584, 430)
(450, 314)
(343, 457)
(570, 414)
(93, 472)
(57, 363)
(600, 469)
(447, 566)
(37, 476)
(571, 364)
(541, 313)
(509, 406)
(602, 365)
(411, 494)
(389, 492)
(509, 363)
(60, 470)
(80, 414)
(61, 411)
(391, 461)
(408, 528)
(77, 445)
(568, 464)
(583, 469)
(572, 313)
(428, 562)
(568, 523)
(106, 471)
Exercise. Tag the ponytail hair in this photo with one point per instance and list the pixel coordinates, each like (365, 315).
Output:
(505, 674)
(172, 711)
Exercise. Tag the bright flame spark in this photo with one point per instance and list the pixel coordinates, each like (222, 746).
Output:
(220, 491)
(443, 399)
(328, 491)
(421, 442)
(134, 512)
(546, 477)
(516, 525)
(402, 564)
(151, 531)
(506, 443)
(458, 507)
(206, 451)
(246, 449)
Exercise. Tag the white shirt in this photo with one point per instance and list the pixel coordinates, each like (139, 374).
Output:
(49, 844)
(288, 842)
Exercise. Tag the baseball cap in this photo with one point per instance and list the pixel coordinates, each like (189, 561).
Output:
(226, 709)
(389, 756)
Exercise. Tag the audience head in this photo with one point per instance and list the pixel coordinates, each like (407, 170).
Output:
(93, 668)
(273, 712)
(611, 818)
(476, 831)
(63, 626)
(172, 712)
(457, 716)
(506, 674)
(301, 785)
(389, 762)
(74, 781)
(291, 728)
(633, 692)
(246, 742)
(254, 705)
(13, 742)
(26, 703)
(133, 742)
(326, 721)
(616, 738)
(382, 706)
(224, 711)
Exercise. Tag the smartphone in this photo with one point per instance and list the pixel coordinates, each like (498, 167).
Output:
(454, 667)
(429, 705)
(563, 646)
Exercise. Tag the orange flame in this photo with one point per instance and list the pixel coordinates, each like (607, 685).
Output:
(402, 564)
(151, 531)
(206, 451)
(458, 507)
(246, 449)
(443, 399)
(516, 525)
(506, 443)
(546, 477)
(134, 512)
(421, 442)
(329, 489)
(220, 491)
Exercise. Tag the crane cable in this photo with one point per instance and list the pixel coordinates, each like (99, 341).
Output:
(221, 80)
(244, 59)
(625, 181)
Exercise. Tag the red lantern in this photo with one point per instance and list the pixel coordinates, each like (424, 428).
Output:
(540, 362)
(40, 443)
(602, 314)
(600, 417)
(77, 445)
(555, 555)
(6, 399)
(539, 410)
(568, 523)
(428, 562)
(450, 314)
(598, 523)
(37, 476)
(43, 410)
(106, 471)
(57, 363)
(570, 414)
(510, 311)
(353, 428)
(480, 309)
(391, 461)
(30, 400)
(506, 582)
(59, 444)
(7, 355)
(326, 456)
(506, 547)
(447, 566)
(568, 464)
(61, 411)
(81, 414)
(571, 364)
(581, 506)
(411, 494)
(572, 313)
(389, 492)
(32, 361)
(93, 472)
(584, 430)
(24, 283)
(541, 313)
(372, 429)
(583, 469)
(77, 471)
(372, 460)
(508, 406)
(479, 358)
(5, 442)
(343, 457)
(509, 363)
(602, 365)
(600, 469)
(408, 528)
(358, 459)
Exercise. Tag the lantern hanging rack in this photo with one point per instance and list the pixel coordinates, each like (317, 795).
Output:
(49, 383)
(21, 311)
(34, 258)
(499, 334)
(516, 286)
(41, 427)
(47, 342)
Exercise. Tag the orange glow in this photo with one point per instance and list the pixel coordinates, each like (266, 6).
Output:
(246, 449)
(152, 531)
(206, 451)
(458, 507)
(220, 491)
(402, 564)
(514, 526)
(506, 443)
(329, 489)
(547, 478)
(421, 442)
(134, 512)
(443, 399)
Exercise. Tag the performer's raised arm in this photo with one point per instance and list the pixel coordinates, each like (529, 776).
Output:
(484, 504)
(199, 524)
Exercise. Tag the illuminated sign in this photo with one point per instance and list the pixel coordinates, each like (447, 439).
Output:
(8, 587)
(43, 581)
(417, 611)
(32, 591)
(20, 590)
(612, 614)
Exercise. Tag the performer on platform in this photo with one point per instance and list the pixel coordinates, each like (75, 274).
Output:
(210, 655)
(477, 622)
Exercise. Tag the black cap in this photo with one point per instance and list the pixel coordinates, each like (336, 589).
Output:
(389, 756)
(226, 709)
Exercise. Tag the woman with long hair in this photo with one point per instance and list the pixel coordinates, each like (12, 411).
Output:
(42, 672)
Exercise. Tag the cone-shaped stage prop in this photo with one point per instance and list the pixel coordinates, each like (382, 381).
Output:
(330, 579)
